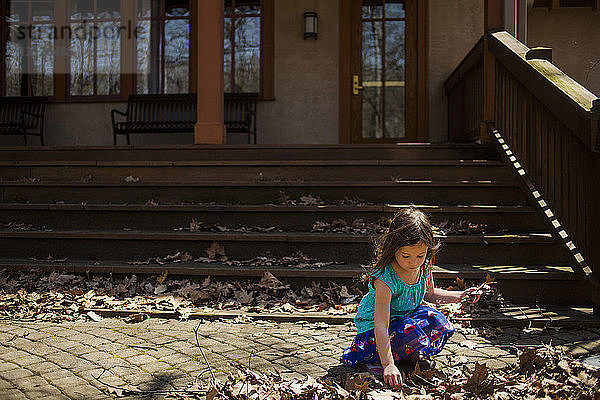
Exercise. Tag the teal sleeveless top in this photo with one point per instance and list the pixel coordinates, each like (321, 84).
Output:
(405, 298)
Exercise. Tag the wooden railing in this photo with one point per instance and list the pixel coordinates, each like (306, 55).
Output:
(548, 126)
(464, 89)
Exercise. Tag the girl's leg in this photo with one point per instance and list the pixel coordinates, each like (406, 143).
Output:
(363, 348)
(407, 337)
(436, 326)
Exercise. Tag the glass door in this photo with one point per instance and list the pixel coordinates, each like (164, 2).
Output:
(382, 73)
(383, 59)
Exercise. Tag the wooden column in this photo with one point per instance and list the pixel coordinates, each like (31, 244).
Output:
(493, 21)
(128, 49)
(209, 128)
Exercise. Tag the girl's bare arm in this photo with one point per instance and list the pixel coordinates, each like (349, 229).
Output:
(383, 297)
(440, 296)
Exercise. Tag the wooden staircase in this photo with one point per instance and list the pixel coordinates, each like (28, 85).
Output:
(103, 208)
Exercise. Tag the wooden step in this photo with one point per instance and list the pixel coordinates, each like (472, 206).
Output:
(282, 171)
(289, 218)
(138, 245)
(399, 151)
(520, 284)
(243, 192)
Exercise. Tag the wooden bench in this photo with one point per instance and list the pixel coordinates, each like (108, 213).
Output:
(177, 113)
(23, 116)
(156, 113)
(240, 114)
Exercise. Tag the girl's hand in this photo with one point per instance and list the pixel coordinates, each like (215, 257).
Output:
(469, 294)
(392, 376)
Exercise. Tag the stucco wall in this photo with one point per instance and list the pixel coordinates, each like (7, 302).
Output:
(454, 28)
(574, 35)
(306, 103)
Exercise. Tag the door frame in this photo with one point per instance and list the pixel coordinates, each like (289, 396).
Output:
(416, 72)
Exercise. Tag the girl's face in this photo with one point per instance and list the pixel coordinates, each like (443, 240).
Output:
(410, 258)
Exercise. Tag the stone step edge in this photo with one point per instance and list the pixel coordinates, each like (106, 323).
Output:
(257, 163)
(247, 148)
(496, 320)
(388, 208)
(295, 237)
(267, 183)
(342, 271)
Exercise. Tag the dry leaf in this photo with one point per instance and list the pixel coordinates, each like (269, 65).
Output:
(162, 277)
(357, 382)
(216, 252)
(139, 317)
(195, 225)
(475, 383)
(132, 179)
(94, 317)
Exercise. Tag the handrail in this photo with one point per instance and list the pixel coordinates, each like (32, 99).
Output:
(547, 126)
(471, 59)
(464, 89)
(571, 103)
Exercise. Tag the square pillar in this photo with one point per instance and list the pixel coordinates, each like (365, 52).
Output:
(210, 128)
(493, 21)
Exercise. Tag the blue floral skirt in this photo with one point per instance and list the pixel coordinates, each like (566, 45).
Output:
(425, 331)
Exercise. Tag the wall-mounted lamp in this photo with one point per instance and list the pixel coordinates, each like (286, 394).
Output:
(310, 25)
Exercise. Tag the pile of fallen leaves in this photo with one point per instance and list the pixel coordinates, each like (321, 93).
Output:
(216, 254)
(22, 226)
(358, 227)
(544, 373)
(61, 296)
(462, 227)
(310, 200)
(199, 226)
(485, 299)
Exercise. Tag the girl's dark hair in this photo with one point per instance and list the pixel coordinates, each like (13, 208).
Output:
(408, 227)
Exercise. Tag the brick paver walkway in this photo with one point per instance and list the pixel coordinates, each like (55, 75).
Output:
(41, 360)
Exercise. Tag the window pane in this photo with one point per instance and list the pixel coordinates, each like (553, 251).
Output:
(227, 54)
(144, 9)
(253, 9)
(18, 10)
(29, 56)
(394, 51)
(394, 111)
(247, 54)
(394, 9)
(176, 56)
(108, 59)
(109, 9)
(372, 110)
(177, 8)
(372, 44)
(82, 60)
(243, 7)
(42, 10)
(42, 60)
(82, 9)
(148, 57)
(372, 9)
(16, 48)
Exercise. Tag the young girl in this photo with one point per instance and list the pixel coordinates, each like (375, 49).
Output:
(392, 324)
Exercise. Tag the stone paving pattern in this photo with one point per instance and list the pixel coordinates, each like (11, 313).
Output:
(43, 360)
